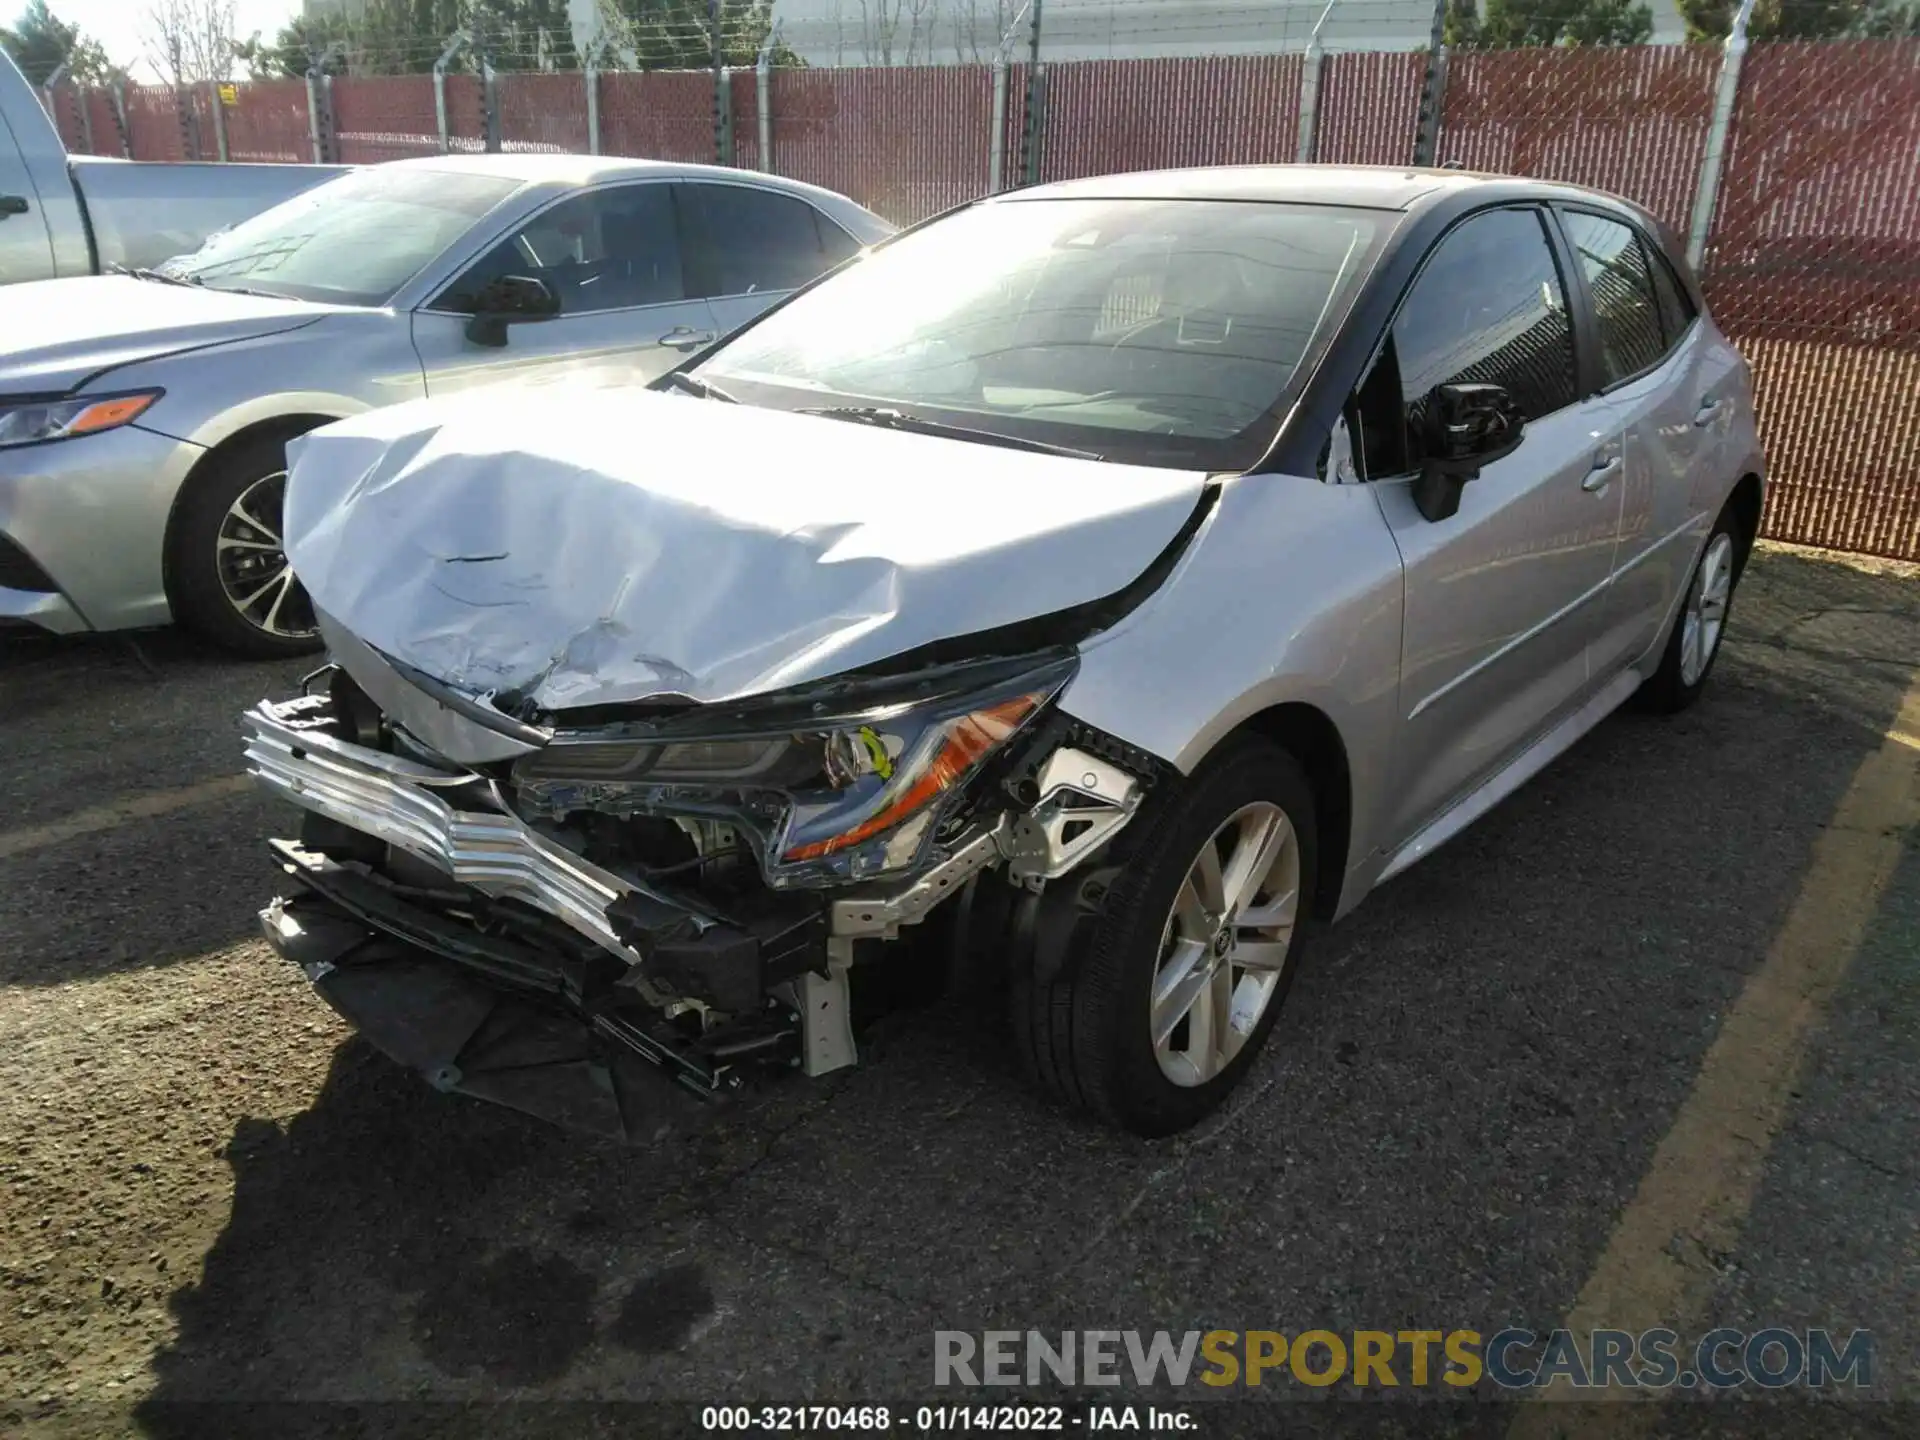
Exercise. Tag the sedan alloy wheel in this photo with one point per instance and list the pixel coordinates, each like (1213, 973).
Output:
(254, 573)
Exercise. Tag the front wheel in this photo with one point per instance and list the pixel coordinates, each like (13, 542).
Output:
(228, 575)
(1171, 994)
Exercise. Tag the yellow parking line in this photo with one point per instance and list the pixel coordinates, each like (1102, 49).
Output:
(1695, 1196)
(118, 812)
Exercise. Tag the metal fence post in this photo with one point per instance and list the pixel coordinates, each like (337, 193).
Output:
(1426, 139)
(315, 131)
(1310, 87)
(189, 122)
(721, 104)
(86, 118)
(490, 104)
(1036, 98)
(219, 120)
(592, 73)
(119, 93)
(997, 141)
(763, 96)
(47, 100)
(1713, 162)
(455, 44)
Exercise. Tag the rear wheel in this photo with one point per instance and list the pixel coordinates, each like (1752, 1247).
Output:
(1170, 996)
(1698, 629)
(227, 571)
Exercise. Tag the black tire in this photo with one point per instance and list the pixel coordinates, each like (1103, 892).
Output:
(1668, 690)
(194, 563)
(1085, 1035)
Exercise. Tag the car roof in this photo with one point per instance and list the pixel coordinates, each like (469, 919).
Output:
(543, 168)
(1377, 187)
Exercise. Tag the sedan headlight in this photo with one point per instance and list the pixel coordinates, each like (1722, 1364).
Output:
(30, 422)
(835, 784)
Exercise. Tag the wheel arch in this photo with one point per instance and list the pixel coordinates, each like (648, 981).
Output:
(1310, 735)
(1745, 505)
(277, 427)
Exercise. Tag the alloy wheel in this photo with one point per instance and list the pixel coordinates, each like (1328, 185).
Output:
(1224, 947)
(252, 565)
(1706, 612)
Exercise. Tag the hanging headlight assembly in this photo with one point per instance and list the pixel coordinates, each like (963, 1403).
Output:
(836, 783)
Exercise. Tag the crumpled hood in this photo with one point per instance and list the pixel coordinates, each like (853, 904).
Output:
(588, 543)
(56, 333)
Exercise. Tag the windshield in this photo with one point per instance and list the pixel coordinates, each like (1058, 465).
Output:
(1165, 332)
(351, 241)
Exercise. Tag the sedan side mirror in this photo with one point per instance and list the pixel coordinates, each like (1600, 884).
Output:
(509, 300)
(1464, 427)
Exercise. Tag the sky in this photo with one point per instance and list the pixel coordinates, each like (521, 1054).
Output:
(118, 24)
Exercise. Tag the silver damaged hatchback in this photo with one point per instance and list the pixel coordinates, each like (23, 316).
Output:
(1076, 597)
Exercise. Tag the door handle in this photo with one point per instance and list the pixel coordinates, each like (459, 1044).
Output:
(684, 337)
(1601, 475)
(12, 205)
(1708, 409)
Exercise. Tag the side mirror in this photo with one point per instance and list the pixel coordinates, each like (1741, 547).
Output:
(1464, 427)
(509, 300)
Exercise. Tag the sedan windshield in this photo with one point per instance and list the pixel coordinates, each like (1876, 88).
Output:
(351, 241)
(1166, 332)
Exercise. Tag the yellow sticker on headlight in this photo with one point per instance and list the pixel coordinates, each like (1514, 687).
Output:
(877, 751)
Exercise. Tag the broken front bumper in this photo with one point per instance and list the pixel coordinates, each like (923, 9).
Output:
(521, 1045)
(458, 824)
(405, 803)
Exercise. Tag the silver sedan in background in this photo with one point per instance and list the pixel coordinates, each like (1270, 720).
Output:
(144, 418)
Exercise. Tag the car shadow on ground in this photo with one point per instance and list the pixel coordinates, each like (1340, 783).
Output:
(1470, 1077)
(94, 724)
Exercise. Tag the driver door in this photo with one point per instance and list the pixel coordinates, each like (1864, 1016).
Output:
(612, 257)
(1504, 599)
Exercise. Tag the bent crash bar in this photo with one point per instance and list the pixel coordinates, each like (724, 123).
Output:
(407, 804)
(396, 800)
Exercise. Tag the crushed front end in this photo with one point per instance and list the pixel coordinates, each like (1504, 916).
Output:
(614, 918)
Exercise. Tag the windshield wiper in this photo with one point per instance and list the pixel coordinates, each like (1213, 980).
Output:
(145, 272)
(699, 387)
(887, 419)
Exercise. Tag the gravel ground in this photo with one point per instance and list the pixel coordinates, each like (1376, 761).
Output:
(215, 1197)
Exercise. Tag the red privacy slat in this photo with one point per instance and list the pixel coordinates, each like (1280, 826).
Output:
(1814, 269)
(543, 112)
(1633, 121)
(268, 122)
(906, 142)
(658, 115)
(161, 123)
(1105, 116)
(1369, 108)
(387, 117)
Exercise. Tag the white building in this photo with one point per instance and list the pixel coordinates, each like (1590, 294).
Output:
(944, 32)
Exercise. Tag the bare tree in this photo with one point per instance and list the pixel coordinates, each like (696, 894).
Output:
(188, 41)
(882, 22)
(978, 27)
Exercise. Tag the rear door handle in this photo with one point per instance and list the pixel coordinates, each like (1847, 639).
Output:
(1605, 467)
(12, 205)
(1708, 409)
(682, 337)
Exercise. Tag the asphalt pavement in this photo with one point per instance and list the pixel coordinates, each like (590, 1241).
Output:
(224, 1215)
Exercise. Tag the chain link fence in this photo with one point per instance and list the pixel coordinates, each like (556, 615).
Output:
(1801, 201)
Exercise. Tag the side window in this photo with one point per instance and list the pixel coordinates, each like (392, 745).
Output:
(754, 241)
(1488, 307)
(608, 249)
(1623, 300)
(836, 245)
(1676, 309)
